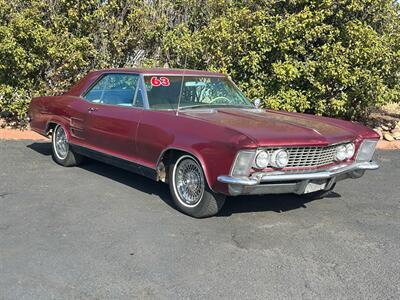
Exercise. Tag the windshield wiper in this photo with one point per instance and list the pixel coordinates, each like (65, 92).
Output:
(214, 105)
(194, 106)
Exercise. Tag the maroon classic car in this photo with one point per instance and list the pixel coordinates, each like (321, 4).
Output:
(197, 132)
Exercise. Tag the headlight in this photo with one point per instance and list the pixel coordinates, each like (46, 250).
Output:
(350, 149)
(366, 150)
(262, 160)
(243, 162)
(279, 158)
(345, 151)
(341, 153)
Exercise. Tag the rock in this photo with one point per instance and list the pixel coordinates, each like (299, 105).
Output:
(389, 125)
(396, 134)
(379, 131)
(395, 130)
(387, 136)
(385, 127)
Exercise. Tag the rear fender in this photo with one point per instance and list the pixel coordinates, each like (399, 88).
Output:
(58, 120)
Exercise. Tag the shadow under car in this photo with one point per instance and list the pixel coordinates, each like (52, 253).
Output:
(233, 205)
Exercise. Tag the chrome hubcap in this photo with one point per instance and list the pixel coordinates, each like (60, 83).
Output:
(189, 182)
(61, 143)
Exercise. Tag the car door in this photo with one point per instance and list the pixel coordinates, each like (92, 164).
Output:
(114, 114)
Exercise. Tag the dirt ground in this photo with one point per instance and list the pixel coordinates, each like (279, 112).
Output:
(15, 134)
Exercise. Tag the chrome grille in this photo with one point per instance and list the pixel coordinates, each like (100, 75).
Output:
(306, 157)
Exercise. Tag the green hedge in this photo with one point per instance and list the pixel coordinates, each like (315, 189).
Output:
(336, 58)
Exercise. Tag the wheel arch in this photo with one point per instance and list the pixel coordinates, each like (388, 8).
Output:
(52, 124)
(168, 154)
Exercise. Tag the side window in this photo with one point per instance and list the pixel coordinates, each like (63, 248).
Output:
(114, 89)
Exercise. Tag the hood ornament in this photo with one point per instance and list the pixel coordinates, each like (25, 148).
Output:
(257, 102)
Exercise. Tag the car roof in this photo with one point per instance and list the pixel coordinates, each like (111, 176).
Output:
(161, 71)
(92, 76)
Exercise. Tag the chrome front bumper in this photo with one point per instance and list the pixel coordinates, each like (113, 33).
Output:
(278, 182)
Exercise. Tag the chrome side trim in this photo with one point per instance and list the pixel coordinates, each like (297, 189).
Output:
(116, 161)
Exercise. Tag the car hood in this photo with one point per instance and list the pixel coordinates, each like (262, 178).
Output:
(270, 128)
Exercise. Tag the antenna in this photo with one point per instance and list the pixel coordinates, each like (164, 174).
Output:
(180, 93)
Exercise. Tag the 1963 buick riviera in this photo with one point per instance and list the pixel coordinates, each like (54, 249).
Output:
(197, 132)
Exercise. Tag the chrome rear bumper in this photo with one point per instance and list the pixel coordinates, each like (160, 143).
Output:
(281, 182)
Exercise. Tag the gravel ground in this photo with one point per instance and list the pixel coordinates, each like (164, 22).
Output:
(98, 232)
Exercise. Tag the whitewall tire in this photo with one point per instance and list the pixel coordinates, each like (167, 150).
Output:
(61, 150)
(189, 188)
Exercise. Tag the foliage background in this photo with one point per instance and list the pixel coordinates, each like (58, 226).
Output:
(331, 57)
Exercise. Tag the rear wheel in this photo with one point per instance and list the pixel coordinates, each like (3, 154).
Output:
(62, 153)
(189, 189)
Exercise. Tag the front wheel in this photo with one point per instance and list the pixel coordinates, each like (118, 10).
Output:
(190, 191)
(62, 153)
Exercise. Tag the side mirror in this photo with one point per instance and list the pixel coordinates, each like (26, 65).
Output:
(257, 102)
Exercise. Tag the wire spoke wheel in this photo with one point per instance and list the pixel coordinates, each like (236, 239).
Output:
(190, 190)
(61, 146)
(189, 182)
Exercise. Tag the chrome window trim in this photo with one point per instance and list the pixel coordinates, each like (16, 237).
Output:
(182, 74)
(82, 96)
(249, 106)
(252, 105)
(136, 92)
(144, 93)
(100, 77)
(89, 88)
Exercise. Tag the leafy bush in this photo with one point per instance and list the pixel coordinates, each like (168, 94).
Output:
(46, 46)
(336, 58)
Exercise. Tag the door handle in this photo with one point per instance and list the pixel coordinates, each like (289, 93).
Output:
(90, 109)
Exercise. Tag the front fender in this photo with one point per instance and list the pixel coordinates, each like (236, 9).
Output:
(215, 147)
(215, 158)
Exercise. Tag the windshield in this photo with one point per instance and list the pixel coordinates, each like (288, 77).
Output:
(197, 91)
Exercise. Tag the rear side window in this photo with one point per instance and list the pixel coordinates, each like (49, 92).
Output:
(114, 89)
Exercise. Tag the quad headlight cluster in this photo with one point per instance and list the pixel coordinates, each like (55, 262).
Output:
(280, 158)
(277, 159)
(345, 151)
